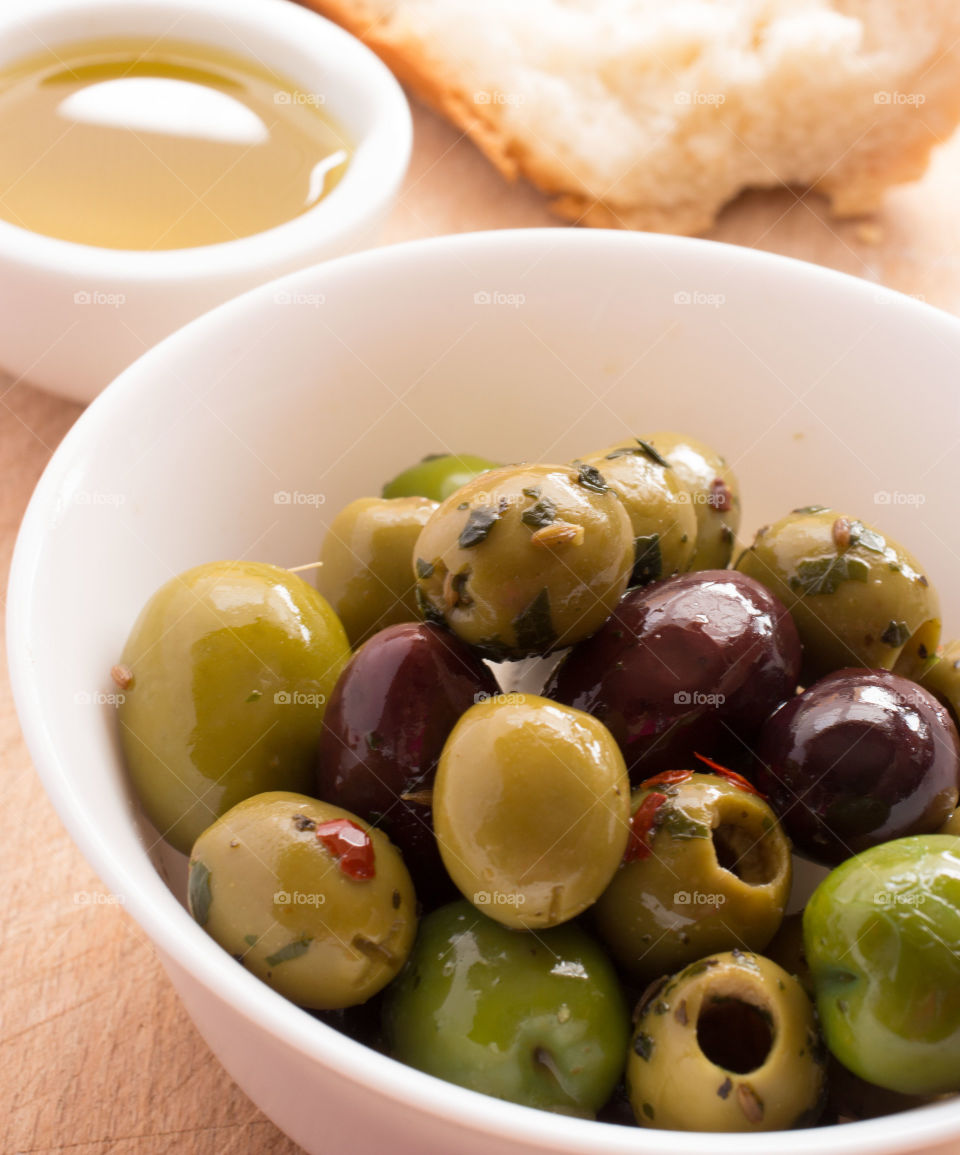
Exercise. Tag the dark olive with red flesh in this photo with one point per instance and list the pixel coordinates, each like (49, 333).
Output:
(862, 757)
(693, 664)
(389, 715)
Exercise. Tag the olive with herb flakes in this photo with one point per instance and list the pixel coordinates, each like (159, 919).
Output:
(728, 1044)
(858, 598)
(859, 758)
(713, 491)
(663, 518)
(366, 555)
(307, 896)
(530, 805)
(694, 663)
(707, 868)
(940, 674)
(526, 559)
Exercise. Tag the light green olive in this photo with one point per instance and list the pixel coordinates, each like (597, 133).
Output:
(526, 559)
(714, 874)
(225, 678)
(367, 557)
(662, 516)
(276, 885)
(857, 598)
(530, 807)
(714, 492)
(537, 1019)
(729, 1044)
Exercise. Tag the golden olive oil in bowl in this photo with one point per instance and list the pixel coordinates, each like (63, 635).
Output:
(147, 144)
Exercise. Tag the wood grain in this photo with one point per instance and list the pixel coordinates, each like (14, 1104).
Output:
(97, 1055)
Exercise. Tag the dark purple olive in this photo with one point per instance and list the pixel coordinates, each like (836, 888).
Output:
(693, 664)
(861, 757)
(388, 717)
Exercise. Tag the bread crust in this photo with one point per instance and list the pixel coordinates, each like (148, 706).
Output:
(895, 150)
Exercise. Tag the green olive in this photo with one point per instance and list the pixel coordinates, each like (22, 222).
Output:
(952, 824)
(367, 557)
(534, 1019)
(857, 598)
(729, 1044)
(940, 674)
(225, 678)
(530, 807)
(714, 492)
(714, 873)
(437, 475)
(526, 559)
(662, 516)
(307, 896)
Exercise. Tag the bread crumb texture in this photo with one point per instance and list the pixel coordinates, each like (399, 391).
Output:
(652, 115)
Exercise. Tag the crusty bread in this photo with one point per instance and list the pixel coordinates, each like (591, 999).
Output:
(652, 114)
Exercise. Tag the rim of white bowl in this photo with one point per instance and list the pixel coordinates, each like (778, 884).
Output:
(170, 927)
(371, 180)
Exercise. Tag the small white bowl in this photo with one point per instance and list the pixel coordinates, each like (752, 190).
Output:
(73, 316)
(242, 435)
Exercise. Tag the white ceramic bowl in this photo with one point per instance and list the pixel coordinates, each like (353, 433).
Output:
(73, 316)
(242, 434)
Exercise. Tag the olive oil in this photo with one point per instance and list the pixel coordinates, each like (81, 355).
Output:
(159, 144)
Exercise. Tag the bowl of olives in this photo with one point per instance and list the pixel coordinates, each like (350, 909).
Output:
(517, 696)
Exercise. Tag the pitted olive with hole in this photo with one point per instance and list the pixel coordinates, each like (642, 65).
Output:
(525, 560)
(713, 491)
(728, 1044)
(367, 556)
(530, 805)
(438, 475)
(224, 679)
(857, 597)
(662, 516)
(708, 868)
(306, 896)
(534, 1019)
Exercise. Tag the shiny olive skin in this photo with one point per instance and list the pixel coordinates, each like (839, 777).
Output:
(692, 664)
(861, 757)
(531, 805)
(857, 597)
(728, 1044)
(438, 475)
(226, 674)
(662, 516)
(940, 674)
(366, 555)
(386, 722)
(881, 934)
(269, 891)
(526, 559)
(534, 1019)
(713, 491)
(716, 875)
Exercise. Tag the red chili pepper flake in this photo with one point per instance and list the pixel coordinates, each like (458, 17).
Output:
(719, 496)
(350, 845)
(731, 776)
(641, 823)
(667, 778)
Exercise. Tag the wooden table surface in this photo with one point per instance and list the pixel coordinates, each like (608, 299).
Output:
(97, 1055)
